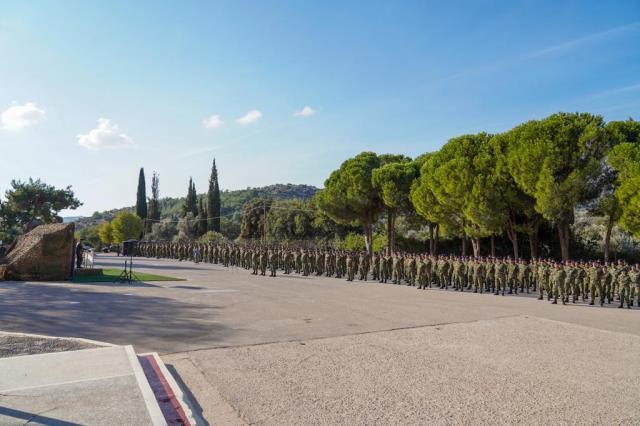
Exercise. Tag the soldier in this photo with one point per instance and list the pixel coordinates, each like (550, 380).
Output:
(350, 267)
(624, 280)
(363, 267)
(478, 276)
(375, 269)
(558, 278)
(634, 276)
(263, 262)
(305, 264)
(412, 268)
(273, 262)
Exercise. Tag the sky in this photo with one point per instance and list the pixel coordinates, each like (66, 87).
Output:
(284, 91)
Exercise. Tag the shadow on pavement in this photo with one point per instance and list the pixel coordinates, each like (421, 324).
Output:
(145, 321)
(33, 417)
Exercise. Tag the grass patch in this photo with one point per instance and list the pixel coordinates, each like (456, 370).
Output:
(111, 275)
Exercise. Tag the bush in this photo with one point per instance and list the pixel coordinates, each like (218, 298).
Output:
(212, 237)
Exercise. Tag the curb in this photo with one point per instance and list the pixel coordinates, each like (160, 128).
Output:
(174, 403)
(44, 336)
(153, 408)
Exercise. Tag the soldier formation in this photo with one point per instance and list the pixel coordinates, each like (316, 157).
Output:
(567, 282)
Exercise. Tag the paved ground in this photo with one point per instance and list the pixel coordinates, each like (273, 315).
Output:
(359, 330)
(92, 386)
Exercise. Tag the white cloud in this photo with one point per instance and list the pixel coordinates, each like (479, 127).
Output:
(307, 111)
(250, 117)
(106, 135)
(20, 116)
(212, 122)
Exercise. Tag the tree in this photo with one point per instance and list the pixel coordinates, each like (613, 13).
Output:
(165, 230)
(557, 162)
(201, 225)
(141, 199)
(126, 226)
(191, 202)
(349, 196)
(393, 181)
(91, 235)
(616, 170)
(31, 203)
(105, 233)
(624, 159)
(213, 200)
(154, 202)
(187, 228)
(254, 218)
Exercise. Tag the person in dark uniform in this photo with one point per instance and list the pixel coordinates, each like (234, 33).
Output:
(79, 253)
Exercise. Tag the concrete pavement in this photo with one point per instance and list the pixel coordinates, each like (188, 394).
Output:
(103, 386)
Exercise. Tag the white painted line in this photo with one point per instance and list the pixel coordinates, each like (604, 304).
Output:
(157, 418)
(70, 382)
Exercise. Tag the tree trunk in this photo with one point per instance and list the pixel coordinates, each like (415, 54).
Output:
(513, 236)
(563, 235)
(493, 246)
(475, 243)
(368, 238)
(607, 238)
(431, 240)
(390, 240)
(435, 240)
(464, 245)
(533, 239)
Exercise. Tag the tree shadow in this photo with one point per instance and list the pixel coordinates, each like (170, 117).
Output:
(150, 323)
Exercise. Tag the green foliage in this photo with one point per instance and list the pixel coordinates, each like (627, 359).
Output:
(154, 202)
(141, 196)
(187, 228)
(31, 203)
(165, 230)
(91, 235)
(213, 200)
(105, 233)
(191, 201)
(254, 217)
(126, 226)
(349, 195)
(356, 242)
(212, 237)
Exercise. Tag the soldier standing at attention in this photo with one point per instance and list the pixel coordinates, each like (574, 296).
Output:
(559, 278)
(363, 266)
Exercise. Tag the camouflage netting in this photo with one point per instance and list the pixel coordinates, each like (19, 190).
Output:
(43, 254)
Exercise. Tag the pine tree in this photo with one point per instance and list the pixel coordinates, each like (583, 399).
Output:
(213, 201)
(154, 202)
(141, 199)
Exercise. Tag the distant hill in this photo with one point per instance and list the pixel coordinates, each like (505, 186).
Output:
(232, 202)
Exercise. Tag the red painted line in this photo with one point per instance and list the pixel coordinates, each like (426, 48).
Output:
(169, 405)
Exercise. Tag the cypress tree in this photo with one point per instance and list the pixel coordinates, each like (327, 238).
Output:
(190, 203)
(202, 218)
(154, 202)
(141, 199)
(213, 201)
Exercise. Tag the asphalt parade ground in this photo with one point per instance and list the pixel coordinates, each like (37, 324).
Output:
(317, 350)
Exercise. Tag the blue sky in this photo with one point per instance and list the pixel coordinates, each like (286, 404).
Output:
(92, 91)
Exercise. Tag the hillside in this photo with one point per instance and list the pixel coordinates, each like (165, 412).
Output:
(232, 202)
